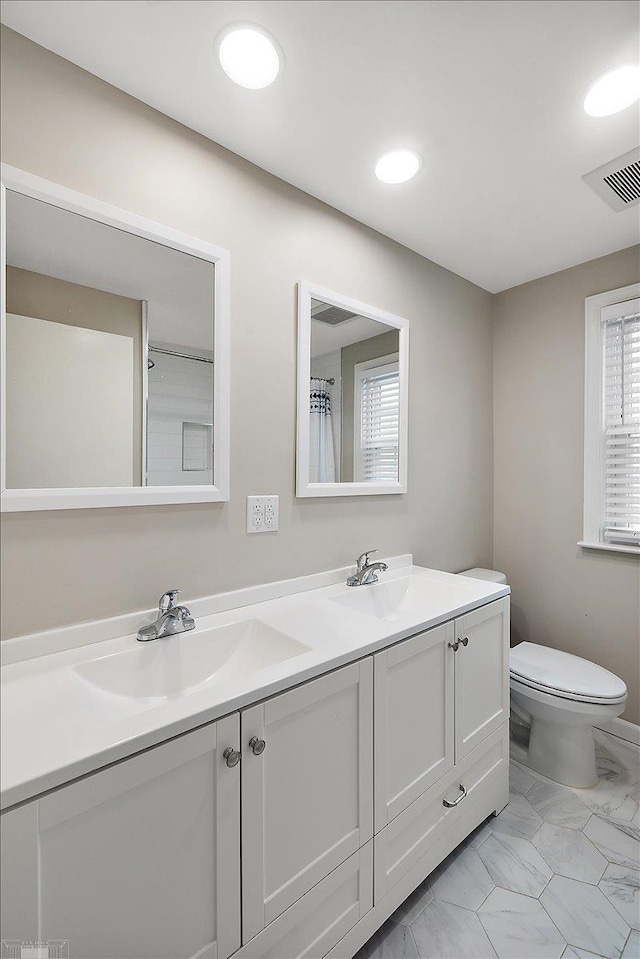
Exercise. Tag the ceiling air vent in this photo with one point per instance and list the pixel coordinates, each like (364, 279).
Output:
(332, 315)
(617, 182)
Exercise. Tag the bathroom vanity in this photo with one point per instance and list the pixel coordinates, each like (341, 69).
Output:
(279, 800)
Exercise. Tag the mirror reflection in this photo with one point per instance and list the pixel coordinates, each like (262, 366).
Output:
(109, 355)
(354, 398)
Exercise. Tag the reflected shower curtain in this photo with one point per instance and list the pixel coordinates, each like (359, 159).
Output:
(321, 455)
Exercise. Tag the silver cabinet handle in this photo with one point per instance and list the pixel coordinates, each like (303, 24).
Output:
(231, 757)
(449, 804)
(257, 746)
(455, 646)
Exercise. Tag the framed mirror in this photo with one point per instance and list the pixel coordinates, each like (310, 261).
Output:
(353, 365)
(115, 355)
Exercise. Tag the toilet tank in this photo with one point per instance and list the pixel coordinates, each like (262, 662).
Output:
(489, 575)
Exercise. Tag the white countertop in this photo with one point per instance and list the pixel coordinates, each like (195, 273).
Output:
(56, 728)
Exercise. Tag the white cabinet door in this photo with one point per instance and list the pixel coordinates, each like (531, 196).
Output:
(482, 674)
(307, 799)
(414, 716)
(19, 875)
(143, 858)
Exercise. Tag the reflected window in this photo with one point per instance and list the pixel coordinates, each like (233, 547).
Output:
(377, 397)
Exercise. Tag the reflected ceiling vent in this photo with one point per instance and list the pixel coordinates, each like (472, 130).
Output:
(331, 315)
(618, 182)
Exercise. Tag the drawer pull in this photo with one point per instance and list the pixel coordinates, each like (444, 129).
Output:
(257, 745)
(465, 640)
(449, 804)
(231, 756)
(454, 646)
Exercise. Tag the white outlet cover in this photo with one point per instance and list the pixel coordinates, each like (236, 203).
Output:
(262, 514)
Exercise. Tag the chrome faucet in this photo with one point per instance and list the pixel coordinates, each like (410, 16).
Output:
(366, 572)
(171, 619)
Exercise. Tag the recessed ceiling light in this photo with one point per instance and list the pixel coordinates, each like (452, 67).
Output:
(397, 166)
(249, 57)
(613, 91)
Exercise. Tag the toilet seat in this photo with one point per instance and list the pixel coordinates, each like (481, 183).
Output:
(562, 694)
(561, 674)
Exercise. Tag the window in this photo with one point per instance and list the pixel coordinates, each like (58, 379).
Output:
(612, 421)
(377, 428)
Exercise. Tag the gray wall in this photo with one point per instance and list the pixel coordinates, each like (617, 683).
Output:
(61, 567)
(586, 602)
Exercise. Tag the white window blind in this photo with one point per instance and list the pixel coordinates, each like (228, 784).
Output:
(380, 423)
(621, 424)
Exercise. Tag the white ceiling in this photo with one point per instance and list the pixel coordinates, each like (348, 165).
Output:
(328, 339)
(177, 287)
(488, 91)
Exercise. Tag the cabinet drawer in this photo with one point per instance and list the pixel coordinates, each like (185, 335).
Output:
(316, 922)
(410, 836)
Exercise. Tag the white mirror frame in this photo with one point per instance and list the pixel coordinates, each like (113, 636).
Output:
(306, 292)
(18, 500)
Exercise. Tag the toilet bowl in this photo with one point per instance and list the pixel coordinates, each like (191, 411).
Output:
(563, 697)
(560, 698)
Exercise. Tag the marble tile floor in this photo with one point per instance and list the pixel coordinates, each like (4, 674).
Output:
(555, 876)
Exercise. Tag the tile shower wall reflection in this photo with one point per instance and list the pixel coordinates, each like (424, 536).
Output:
(180, 401)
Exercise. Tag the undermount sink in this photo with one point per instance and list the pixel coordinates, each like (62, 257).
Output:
(188, 662)
(406, 594)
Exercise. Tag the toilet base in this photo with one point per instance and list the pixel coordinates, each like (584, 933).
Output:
(561, 744)
(565, 754)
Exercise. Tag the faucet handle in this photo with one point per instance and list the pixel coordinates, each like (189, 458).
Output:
(363, 560)
(169, 600)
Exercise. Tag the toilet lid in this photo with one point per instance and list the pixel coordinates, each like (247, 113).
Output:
(565, 675)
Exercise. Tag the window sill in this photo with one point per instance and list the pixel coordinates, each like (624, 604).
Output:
(611, 547)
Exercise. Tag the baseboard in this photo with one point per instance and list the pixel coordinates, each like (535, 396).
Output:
(622, 729)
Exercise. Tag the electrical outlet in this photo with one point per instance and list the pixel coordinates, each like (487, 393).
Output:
(262, 514)
(271, 513)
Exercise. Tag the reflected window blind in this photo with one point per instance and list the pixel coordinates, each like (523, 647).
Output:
(380, 424)
(621, 429)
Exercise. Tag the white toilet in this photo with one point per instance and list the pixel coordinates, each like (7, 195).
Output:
(558, 698)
